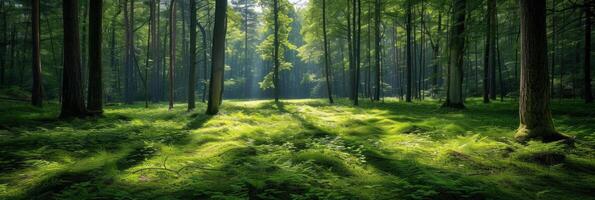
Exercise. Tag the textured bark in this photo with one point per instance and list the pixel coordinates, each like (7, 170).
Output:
(172, 52)
(276, 49)
(36, 90)
(95, 98)
(326, 54)
(454, 82)
(409, 52)
(192, 71)
(489, 81)
(218, 57)
(378, 48)
(72, 95)
(588, 95)
(534, 101)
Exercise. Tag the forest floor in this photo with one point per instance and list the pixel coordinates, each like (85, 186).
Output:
(297, 149)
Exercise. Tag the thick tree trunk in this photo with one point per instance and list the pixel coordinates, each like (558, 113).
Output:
(378, 49)
(588, 95)
(72, 100)
(192, 73)
(4, 54)
(172, 52)
(357, 22)
(454, 82)
(534, 101)
(326, 54)
(205, 61)
(95, 98)
(489, 81)
(218, 57)
(276, 49)
(409, 52)
(37, 89)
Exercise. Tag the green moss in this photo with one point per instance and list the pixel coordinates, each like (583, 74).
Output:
(299, 149)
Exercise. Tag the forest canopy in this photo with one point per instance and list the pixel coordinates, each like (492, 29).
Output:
(296, 99)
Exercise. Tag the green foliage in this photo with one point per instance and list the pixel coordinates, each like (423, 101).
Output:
(300, 149)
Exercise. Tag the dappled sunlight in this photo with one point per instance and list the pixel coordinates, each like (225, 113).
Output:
(290, 148)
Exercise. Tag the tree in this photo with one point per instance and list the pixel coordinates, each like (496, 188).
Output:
(192, 73)
(72, 91)
(489, 80)
(587, 51)
(36, 91)
(454, 79)
(172, 51)
(95, 98)
(276, 49)
(218, 57)
(409, 49)
(326, 54)
(378, 50)
(534, 100)
(129, 83)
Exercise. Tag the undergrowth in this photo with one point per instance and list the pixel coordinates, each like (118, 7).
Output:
(298, 149)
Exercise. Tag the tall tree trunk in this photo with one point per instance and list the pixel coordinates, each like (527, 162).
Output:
(378, 49)
(72, 100)
(326, 54)
(95, 98)
(172, 52)
(218, 57)
(490, 54)
(534, 102)
(454, 81)
(129, 92)
(37, 89)
(587, 53)
(205, 61)
(192, 73)
(4, 54)
(276, 49)
(351, 51)
(409, 53)
(358, 26)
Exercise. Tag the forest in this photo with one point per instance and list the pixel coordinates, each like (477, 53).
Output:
(297, 99)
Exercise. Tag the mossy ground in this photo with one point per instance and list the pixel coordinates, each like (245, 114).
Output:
(297, 149)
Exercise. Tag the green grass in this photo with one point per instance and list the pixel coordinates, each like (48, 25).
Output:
(298, 149)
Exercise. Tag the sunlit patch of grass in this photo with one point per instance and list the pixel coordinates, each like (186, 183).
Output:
(302, 149)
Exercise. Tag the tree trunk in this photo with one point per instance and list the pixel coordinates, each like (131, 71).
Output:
(72, 100)
(95, 98)
(192, 73)
(378, 50)
(205, 61)
(326, 54)
(276, 49)
(172, 52)
(588, 95)
(37, 89)
(534, 101)
(490, 54)
(218, 57)
(409, 53)
(454, 81)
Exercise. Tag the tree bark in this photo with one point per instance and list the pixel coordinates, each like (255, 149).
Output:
(218, 57)
(490, 54)
(409, 52)
(588, 95)
(534, 101)
(454, 82)
(326, 54)
(95, 98)
(276, 49)
(37, 89)
(378, 49)
(192, 73)
(72, 100)
(172, 52)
